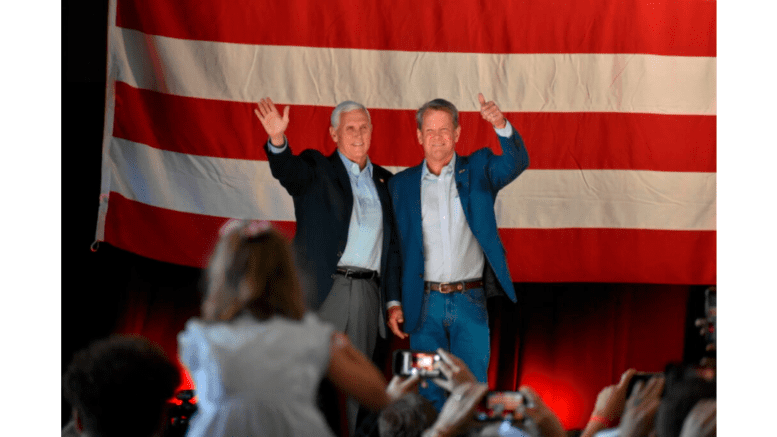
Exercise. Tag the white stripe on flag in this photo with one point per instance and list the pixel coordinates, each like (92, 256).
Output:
(189, 183)
(537, 199)
(631, 83)
(633, 199)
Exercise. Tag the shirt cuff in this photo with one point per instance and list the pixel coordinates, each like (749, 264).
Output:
(506, 131)
(392, 303)
(276, 149)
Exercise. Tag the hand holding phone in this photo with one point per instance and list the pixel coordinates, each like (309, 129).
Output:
(639, 376)
(500, 405)
(401, 385)
(454, 371)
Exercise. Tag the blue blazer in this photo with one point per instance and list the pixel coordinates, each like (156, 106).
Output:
(323, 201)
(479, 177)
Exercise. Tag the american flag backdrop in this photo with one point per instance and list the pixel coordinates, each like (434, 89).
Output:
(616, 102)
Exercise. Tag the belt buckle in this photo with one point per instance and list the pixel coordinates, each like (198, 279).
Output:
(454, 287)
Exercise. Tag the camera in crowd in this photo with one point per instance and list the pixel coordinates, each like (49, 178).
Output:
(408, 362)
(500, 405)
(180, 414)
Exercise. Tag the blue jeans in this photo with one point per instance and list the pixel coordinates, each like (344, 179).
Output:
(458, 323)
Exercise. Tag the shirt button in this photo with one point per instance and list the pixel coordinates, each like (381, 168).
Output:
(339, 254)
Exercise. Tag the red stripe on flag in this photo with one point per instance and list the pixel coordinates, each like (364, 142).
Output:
(555, 140)
(534, 255)
(664, 27)
(611, 255)
(166, 235)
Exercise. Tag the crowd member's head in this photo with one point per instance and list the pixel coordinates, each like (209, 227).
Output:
(408, 416)
(120, 387)
(251, 270)
(683, 391)
(351, 129)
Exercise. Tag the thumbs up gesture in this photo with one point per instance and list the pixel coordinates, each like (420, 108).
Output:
(491, 113)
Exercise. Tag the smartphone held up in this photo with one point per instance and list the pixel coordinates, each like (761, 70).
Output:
(406, 362)
(500, 405)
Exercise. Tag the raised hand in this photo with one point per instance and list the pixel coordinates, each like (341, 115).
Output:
(641, 407)
(271, 119)
(609, 405)
(612, 399)
(399, 386)
(543, 417)
(455, 370)
(458, 411)
(491, 113)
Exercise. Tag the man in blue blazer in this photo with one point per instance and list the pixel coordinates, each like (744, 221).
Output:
(344, 223)
(451, 254)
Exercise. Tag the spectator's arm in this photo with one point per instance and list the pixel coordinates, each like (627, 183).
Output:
(609, 405)
(457, 411)
(546, 420)
(641, 407)
(353, 373)
(455, 370)
(399, 386)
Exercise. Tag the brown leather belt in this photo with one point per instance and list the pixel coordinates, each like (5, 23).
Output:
(452, 287)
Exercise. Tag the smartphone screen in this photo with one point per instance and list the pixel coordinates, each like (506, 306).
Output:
(499, 405)
(407, 362)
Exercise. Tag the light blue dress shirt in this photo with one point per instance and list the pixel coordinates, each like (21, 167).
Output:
(451, 252)
(365, 231)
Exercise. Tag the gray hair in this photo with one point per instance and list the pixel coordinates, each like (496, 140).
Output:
(346, 106)
(437, 105)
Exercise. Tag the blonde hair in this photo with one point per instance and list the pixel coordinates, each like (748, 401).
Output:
(251, 269)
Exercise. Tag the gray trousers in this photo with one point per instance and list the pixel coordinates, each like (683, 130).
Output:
(353, 307)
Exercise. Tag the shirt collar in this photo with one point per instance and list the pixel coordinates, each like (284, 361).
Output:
(352, 168)
(448, 169)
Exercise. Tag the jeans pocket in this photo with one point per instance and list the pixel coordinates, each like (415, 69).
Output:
(476, 302)
(476, 296)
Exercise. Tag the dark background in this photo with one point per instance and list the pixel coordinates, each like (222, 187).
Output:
(111, 290)
(101, 289)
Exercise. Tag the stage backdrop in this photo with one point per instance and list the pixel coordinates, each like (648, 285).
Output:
(616, 101)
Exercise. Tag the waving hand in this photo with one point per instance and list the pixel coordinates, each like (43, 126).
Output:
(271, 119)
